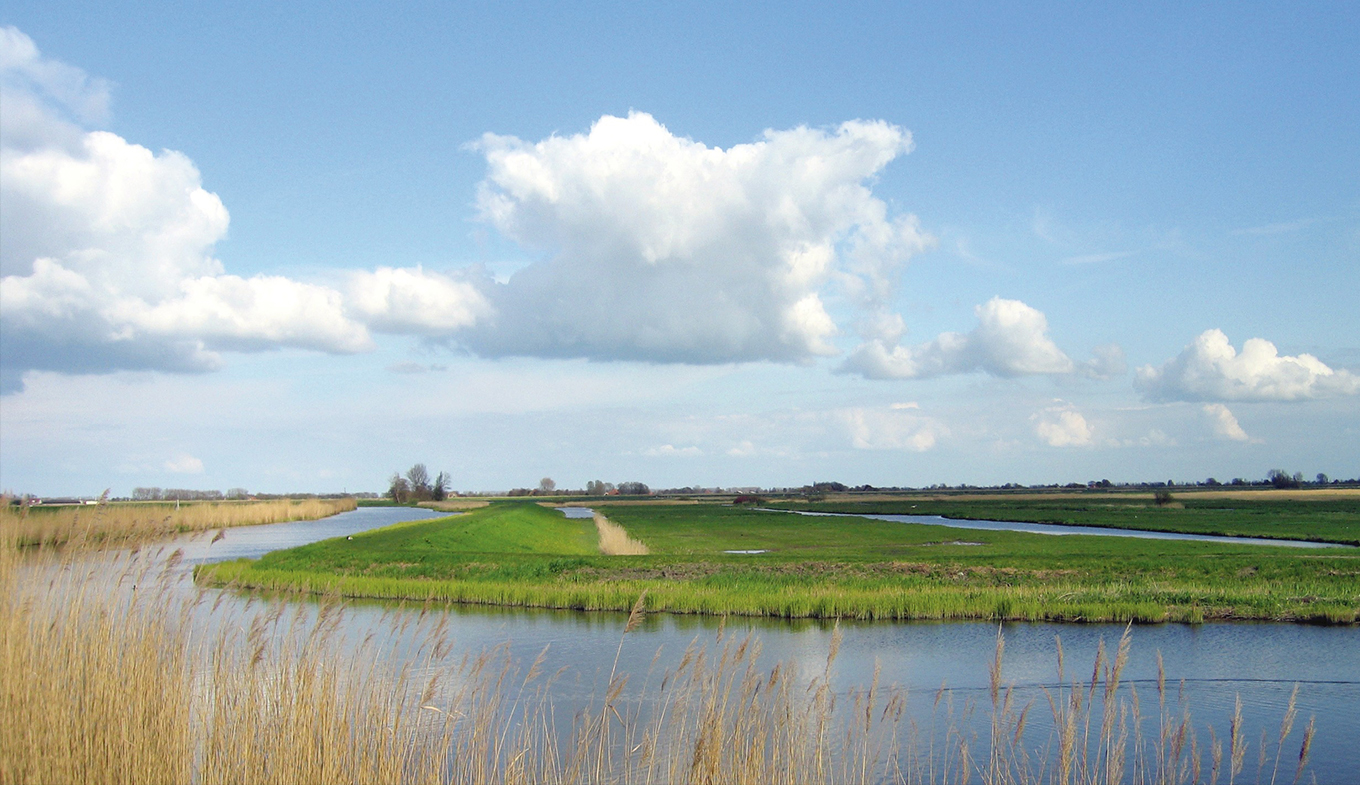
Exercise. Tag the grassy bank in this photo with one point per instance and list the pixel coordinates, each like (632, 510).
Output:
(1321, 518)
(522, 554)
(131, 521)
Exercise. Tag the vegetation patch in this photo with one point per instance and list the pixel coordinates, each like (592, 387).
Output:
(519, 553)
(1320, 518)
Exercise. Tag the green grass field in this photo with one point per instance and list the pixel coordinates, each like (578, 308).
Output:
(1322, 520)
(523, 554)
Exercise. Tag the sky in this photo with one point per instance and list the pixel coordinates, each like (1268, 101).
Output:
(300, 248)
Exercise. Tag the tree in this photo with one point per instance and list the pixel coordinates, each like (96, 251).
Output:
(1322, 479)
(1281, 479)
(439, 490)
(598, 488)
(400, 489)
(419, 477)
(546, 485)
(634, 488)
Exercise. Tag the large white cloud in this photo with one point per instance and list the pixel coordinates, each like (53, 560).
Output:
(1011, 339)
(106, 248)
(1210, 369)
(655, 247)
(661, 248)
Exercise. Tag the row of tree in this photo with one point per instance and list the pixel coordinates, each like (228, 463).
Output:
(418, 486)
(548, 487)
(630, 488)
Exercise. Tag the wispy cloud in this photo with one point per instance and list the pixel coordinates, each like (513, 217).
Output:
(671, 451)
(1283, 227)
(184, 464)
(1097, 258)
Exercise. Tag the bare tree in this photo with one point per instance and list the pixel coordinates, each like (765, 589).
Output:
(546, 485)
(400, 489)
(419, 477)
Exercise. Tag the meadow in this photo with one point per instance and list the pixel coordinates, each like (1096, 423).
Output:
(519, 553)
(1317, 516)
(133, 521)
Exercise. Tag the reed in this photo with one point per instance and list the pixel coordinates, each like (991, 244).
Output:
(140, 521)
(107, 685)
(614, 540)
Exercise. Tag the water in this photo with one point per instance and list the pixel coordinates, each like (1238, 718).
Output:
(1212, 664)
(1060, 530)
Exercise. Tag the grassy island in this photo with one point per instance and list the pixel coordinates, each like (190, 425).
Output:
(520, 553)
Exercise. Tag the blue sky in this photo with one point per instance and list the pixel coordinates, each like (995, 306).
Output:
(297, 249)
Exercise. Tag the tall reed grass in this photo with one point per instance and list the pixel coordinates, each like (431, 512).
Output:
(125, 687)
(614, 539)
(118, 522)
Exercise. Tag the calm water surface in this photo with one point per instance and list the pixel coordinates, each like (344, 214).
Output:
(1212, 664)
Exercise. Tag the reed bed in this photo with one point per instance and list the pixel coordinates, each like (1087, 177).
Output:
(614, 539)
(140, 521)
(105, 676)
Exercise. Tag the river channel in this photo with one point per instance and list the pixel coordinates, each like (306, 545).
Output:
(1210, 665)
(1060, 530)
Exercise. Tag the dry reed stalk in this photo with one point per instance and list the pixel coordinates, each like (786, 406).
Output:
(614, 540)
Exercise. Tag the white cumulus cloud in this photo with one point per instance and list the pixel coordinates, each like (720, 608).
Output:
(652, 247)
(1011, 339)
(1223, 422)
(1061, 425)
(1210, 369)
(664, 249)
(106, 248)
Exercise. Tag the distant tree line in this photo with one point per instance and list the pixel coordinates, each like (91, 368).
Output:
(154, 494)
(548, 487)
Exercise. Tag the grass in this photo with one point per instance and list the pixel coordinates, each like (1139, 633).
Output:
(120, 687)
(1321, 519)
(820, 567)
(132, 521)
